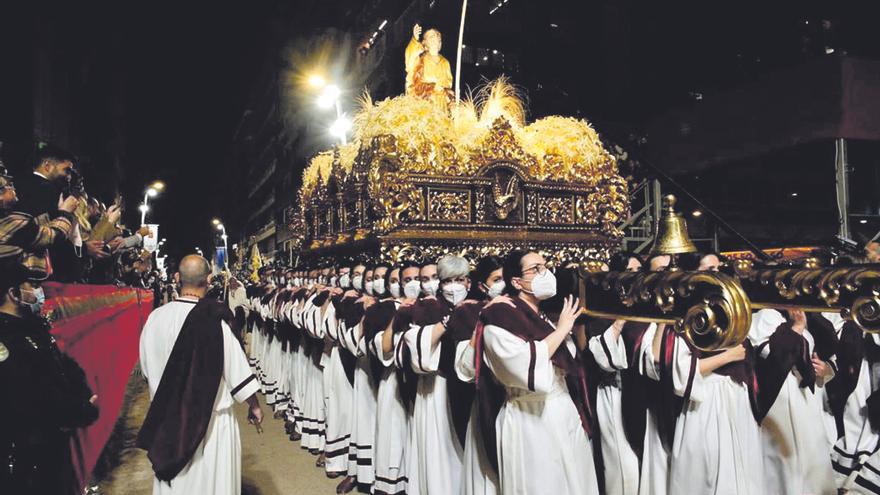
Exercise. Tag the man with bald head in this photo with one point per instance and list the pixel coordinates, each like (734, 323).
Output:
(196, 371)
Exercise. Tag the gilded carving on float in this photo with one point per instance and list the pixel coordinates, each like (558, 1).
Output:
(505, 198)
(449, 206)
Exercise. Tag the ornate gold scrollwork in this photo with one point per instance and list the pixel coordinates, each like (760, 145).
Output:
(394, 197)
(556, 209)
(852, 290)
(449, 206)
(709, 309)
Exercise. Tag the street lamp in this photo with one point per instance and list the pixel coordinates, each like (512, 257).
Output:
(317, 81)
(340, 128)
(217, 223)
(329, 98)
(152, 191)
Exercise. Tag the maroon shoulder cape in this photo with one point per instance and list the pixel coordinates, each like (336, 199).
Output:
(788, 350)
(184, 402)
(376, 319)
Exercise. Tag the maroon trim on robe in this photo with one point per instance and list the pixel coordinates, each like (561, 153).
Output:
(181, 410)
(533, 360)
(528, 325)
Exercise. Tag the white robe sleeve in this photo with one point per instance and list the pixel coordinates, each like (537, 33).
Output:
(351, 339)
(517, 363)
(681, 366)
(236, 370)
(425, 360)
(609, 352)
(387, 360)
(764, 323)
(146, 334)
(464, 361)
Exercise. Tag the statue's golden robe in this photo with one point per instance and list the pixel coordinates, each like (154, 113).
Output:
(427, 76)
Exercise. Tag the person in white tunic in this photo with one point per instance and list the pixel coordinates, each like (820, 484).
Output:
(337, 393)
(621, 464)
(541, 432)
(796, 449)
(717, 441)
(215, 466)
(392, 426)
(435, 454)
(479, 472)
(854, 458)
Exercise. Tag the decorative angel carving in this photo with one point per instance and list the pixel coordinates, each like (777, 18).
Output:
(505, 201)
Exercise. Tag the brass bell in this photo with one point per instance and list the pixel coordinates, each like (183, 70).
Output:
(672, 235)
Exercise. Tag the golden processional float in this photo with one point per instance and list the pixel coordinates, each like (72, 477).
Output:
(419, 181)
(422, 179)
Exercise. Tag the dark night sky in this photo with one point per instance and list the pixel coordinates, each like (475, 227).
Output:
(185, 74)
(187, 78)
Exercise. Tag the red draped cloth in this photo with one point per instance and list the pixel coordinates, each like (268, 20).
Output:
(100, 327)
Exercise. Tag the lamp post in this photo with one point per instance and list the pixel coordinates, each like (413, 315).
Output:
(151, 192)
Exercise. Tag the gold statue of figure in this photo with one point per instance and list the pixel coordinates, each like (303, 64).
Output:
(428, 74)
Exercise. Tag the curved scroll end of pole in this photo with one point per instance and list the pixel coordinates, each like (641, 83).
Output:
(709, 309)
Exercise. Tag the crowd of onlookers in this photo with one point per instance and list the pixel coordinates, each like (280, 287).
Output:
(61, 233)
(51, 229)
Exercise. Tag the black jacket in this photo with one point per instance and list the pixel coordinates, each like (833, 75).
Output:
(46, 396)
(37, 195)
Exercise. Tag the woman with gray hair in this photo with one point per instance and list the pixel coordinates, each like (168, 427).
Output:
(435, 454)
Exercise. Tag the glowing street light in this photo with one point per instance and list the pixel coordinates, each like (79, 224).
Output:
(329, 97)
(152, 191)
(317, 81)
(340, 128)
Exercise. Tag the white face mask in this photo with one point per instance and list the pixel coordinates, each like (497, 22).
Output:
(454, 292)
(379, 286)
(368, 287)
(344, 281)
(395, 290)
(496, 289)
(358, 282)
(430, 287)
(543, 286)
(39, 299)
(412, 289)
